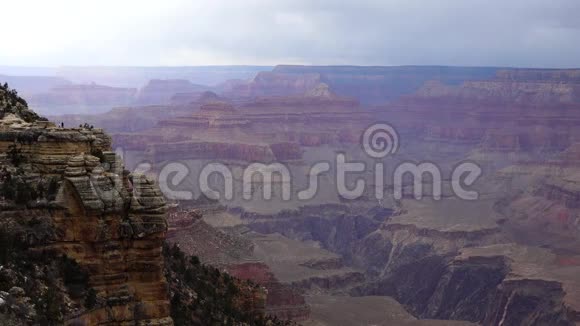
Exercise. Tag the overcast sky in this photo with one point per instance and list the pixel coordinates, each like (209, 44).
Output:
(533, 33)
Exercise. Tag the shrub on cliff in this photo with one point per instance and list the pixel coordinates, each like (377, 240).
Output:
(202, 295)
(17, 189)
(91, 299)
(15, 155)
(10, 102)
(52, 188)
(38, 283)
(8, 320)
(15, 186)
(50, 306)
(75, 279)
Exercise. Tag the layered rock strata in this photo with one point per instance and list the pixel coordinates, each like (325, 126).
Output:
(108, 221)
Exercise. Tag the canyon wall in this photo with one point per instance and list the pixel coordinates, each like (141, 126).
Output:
(109, 222)
(376, 85)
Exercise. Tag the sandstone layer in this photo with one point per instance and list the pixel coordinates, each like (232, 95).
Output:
(110, 222)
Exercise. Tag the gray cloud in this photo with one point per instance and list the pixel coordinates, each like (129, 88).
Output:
(535, 33)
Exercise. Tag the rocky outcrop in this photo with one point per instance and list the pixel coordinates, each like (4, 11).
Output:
(123, 255)
(109, 222)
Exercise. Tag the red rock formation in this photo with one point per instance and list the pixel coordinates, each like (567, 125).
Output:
(282, 300)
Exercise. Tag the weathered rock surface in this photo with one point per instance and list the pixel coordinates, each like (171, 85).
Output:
(111, 223)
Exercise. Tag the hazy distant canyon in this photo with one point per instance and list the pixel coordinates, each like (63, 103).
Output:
(511, 257)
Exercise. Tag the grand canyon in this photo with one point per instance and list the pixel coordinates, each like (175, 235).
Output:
(290, 163)
(509, 257)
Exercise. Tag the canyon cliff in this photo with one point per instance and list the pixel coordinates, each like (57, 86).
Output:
(60, 198)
